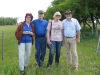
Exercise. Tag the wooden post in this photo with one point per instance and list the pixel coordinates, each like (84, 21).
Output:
(96, 27)
(97, 48)
(2, 45)
(92, 29)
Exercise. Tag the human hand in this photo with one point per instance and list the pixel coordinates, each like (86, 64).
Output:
(49, 43)
(77, 41)
(31, 33)
(25, 32)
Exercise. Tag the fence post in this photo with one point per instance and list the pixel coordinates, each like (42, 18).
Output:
(96, 27)
(92, 30)
(2, 45)
(97, 47)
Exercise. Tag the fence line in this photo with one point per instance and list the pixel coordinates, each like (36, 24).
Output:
(84, 35)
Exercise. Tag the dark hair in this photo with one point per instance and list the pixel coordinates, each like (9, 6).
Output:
(29, 14)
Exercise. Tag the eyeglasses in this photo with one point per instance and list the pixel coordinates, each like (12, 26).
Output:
(28, 17)
(67, 13)
(57, 15)
(41, 13)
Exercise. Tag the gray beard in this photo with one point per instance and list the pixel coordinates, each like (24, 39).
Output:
(68, 17)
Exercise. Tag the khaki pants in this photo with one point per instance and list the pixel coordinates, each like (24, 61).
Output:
(70, 44)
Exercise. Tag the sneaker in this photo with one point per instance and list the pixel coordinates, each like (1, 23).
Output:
(68, 65)
(48, 65)
(22, 72)
(76, 68)
(25, 67)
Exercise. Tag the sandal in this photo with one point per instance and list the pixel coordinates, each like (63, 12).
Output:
(22, 72)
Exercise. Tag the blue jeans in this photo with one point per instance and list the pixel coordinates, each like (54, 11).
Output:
(40, 45)
(55, 47)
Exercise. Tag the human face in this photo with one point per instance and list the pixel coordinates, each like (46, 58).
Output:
(57, 17)
(41, 16)
(68, 15)
(28, 19)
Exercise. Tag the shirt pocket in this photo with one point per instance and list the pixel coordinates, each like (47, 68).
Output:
(72, 27)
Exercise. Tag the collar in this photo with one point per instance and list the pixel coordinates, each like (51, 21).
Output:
(26, 24)
(55, 21)
(40, 20)
(69, 20)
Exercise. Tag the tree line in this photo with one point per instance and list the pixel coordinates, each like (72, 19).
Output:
(83, 10)
(8, 20)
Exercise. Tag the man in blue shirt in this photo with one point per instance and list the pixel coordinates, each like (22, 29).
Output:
(71, 28)
(40, 40)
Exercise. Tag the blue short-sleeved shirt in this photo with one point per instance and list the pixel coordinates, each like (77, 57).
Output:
(40, 27)
(27, 38)
(70, 27)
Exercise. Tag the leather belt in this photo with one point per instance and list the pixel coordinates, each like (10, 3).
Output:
(70, 37)
(40, 36)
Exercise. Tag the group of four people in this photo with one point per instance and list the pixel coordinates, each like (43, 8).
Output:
(55, 33)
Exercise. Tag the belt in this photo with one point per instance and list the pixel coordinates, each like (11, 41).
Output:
(70, 37)
(40, 36)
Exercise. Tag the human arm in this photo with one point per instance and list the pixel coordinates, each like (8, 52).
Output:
(78, 36)
(49, 33)
(48, 37)
(19, 32)
(78, 28)
(63, 37)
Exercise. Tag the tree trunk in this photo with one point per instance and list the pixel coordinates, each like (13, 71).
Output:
(84, 23)
(97, 26)
(88, 25)
(92, 21)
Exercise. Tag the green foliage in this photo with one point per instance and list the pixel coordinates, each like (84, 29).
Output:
(56, 6)
(82, 9)
(8, 21)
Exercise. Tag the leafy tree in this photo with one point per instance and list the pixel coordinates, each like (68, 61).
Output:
(82, 9)
(8, 21)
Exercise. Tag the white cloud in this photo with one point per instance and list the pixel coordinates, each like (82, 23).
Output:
(18, 8)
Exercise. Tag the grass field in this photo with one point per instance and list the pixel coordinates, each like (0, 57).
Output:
(86, 51)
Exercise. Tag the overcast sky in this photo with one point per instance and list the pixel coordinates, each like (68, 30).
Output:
(18, 8)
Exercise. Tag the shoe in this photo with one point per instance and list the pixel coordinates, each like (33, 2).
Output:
(48, 65)
(68, 65)
(25, 67)
(41, 63)
(57, 64)
(22, 72)
(76, 68)
(38, 65)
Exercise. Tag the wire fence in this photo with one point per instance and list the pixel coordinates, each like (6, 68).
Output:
(6, 39)
(9, 38)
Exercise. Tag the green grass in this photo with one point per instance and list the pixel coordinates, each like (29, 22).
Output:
(86, 51)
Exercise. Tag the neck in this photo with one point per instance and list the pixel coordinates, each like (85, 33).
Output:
(56, 20)
(40, 18)
(27, 22)
(68, 18)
